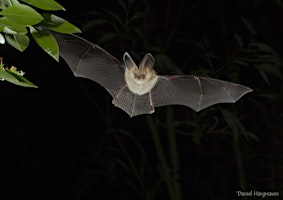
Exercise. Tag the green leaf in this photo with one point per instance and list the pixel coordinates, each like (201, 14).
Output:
(249, 26)
(122, 4)
(15, 78)
(46, 41)
(271, 69)
(22, 14)
(280, 3)
(115, 16)
(90, 24)
(58, 24)
(236, 126)
(136, 16)
(197, 136)
(21, 81)
(19, 42)
(107, 37)
(2, 39)
(45, 4)
(238, 39)
(10, 27)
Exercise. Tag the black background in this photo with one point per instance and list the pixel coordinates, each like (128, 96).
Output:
(54, 141)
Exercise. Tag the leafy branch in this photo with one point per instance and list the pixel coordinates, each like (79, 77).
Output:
(20, 19)
(14, 76)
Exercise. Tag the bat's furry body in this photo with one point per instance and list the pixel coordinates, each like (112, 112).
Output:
(137, 90)
(139, 80)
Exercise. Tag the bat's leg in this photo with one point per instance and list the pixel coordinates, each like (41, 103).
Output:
(119, 93)
(150, 103)
(200, 92)
(134, 105)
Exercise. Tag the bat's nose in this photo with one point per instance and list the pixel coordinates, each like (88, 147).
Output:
(140, 77)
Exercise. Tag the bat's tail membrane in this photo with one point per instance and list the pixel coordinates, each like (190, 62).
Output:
(133, 104)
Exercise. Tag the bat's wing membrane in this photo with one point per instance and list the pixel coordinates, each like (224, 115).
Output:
(133, 104)
(195, 92)
(90, 61)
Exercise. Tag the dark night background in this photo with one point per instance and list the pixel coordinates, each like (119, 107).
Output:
(65, 140)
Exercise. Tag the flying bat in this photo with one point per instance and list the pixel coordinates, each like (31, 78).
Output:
(139, 89)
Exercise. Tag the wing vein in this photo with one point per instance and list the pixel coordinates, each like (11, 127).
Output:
(134, 104)
(201, 93)
(92, 45)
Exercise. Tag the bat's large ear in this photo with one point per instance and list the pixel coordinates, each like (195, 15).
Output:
(147, 61)
(128, 61)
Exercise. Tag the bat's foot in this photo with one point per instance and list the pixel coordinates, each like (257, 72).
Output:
(151, 110)
(150, 103)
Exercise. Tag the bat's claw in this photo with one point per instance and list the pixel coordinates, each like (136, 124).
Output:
(151, 110)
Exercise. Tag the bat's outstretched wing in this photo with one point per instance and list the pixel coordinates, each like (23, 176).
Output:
(188, 90)
(195, 92)
(90, 61)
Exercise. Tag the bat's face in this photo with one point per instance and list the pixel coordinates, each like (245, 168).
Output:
(140, 80)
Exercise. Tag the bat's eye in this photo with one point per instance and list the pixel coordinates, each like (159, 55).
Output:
(139, 76)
